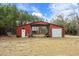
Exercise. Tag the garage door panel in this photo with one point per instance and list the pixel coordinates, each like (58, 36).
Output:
(57, 32)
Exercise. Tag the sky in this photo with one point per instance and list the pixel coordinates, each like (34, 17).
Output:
(48, 10)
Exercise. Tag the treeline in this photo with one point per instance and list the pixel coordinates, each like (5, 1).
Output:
(10, 16)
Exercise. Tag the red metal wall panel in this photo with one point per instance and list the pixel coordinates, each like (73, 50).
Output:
(28, 29)
(55, 26)
(62, 31)
(18, 31)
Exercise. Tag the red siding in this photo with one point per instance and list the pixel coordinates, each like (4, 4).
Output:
(62, 31)
(55, 26)
(28, 29)
(18, 31)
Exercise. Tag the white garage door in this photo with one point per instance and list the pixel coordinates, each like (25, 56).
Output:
(57, 32)
(23, 33)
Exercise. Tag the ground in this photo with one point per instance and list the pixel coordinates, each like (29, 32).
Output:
(43, 46)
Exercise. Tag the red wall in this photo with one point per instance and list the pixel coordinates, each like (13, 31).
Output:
(18, 31)
(55, 26)
(28, 29)
(63, 32)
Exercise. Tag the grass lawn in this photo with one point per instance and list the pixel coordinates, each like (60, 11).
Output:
(39, 46)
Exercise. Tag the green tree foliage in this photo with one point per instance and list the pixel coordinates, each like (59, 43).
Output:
(9, 14)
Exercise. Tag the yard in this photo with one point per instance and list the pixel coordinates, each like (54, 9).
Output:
(39, 46)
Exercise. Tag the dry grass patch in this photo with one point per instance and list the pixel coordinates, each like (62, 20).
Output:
(39, 46)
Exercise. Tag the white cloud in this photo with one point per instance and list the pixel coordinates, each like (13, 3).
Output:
(58, 6)
(41, 16)
(35, 11)
(61, 8)
(37, 14)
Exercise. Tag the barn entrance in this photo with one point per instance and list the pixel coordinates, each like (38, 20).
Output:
(40, 30)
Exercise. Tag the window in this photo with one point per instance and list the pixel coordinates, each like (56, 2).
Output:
(35, 28)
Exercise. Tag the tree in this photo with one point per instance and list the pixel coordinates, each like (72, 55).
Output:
(59, 20)
(9, 15)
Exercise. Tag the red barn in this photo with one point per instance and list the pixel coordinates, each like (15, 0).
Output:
(52, 30)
